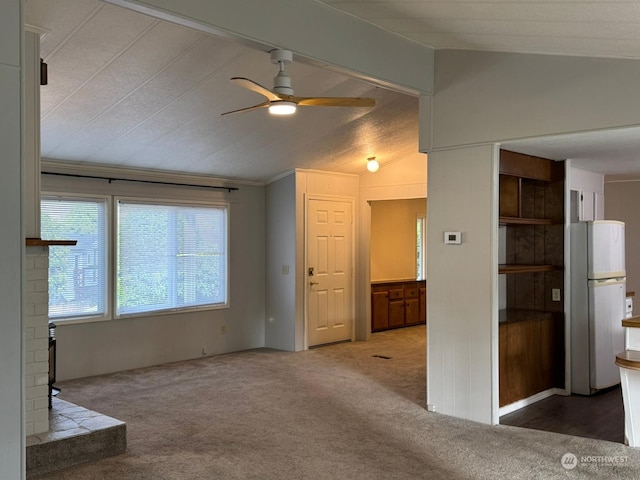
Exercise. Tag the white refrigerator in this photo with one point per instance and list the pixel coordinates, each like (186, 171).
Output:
(598, 293)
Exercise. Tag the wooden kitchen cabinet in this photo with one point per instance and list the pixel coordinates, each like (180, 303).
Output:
(397, 304)
(379, 310)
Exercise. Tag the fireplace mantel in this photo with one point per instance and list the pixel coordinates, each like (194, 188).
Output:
(38, 242)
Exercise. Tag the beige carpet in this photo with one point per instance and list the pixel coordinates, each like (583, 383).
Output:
(346, 411)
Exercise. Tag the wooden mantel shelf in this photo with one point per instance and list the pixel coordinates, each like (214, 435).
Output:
(38, 242)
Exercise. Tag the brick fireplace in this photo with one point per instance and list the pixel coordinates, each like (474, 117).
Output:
(65, 434)
(36, 335)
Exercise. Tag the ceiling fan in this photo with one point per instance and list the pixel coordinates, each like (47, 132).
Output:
(281, 100)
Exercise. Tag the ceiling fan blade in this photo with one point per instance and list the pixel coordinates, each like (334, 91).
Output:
(334, 101)
(255, 87)
(248, 109)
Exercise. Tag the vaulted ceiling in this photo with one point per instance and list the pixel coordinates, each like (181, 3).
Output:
(129, 90)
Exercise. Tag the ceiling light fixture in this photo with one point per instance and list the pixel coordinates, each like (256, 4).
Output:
(372, 164)
(282, 108)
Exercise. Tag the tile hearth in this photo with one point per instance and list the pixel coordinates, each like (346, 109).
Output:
(76, 435)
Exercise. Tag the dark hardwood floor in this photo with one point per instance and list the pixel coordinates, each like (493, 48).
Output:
(598, 416)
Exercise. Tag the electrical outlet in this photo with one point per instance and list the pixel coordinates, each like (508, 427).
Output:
(431, 407)
(204, 351)
(223, 329)
(555, 294)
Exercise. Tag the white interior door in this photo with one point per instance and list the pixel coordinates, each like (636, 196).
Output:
(329, 272)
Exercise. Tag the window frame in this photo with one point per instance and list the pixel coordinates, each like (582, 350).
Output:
(170, 203)
(422, 274)
(107, 264)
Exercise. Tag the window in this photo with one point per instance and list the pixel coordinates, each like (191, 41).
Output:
(170, 256)
(421, 248)
(77, 274)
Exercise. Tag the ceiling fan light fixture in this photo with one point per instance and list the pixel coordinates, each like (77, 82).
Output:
(372, 164)
(282, 108)
(281, 100)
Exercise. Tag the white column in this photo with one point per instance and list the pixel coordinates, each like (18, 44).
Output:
(12, 439)
(31, 153)
(462, 311)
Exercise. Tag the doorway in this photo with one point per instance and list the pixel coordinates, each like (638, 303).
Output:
(397, 263)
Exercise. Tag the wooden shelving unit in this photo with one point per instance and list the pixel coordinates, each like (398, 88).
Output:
(531, 344)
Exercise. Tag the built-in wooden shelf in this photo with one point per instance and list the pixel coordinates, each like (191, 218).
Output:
(512, 268)
(631, 322)
(524, 221)
(38, 242)
(516, 315)
(629, 359)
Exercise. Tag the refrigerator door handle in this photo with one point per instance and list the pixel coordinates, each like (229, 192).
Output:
(603, 282)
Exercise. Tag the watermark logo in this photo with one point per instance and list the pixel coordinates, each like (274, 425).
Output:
(569, 461)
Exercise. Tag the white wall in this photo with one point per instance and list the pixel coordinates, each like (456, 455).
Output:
(486, 96)
(462, 314)
(12, 444)
(588, 203)
(623, 198)
(579, 179)
(86, 349)
(406, 178)
(281, 255)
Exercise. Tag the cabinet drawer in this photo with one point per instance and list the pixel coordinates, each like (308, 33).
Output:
(396, 294)
(411, 292)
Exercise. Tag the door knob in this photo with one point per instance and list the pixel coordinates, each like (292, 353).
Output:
(313, 283)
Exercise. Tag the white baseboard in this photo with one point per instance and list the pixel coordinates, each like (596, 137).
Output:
(512, 407)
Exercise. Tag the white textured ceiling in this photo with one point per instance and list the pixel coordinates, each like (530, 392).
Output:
(594, 28)
(129, 90)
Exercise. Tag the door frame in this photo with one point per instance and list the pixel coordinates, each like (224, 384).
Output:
(330, 198)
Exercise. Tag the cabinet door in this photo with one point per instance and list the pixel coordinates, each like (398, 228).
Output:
(396, 307)
(379, 310)
(396, 313)
(412, 311)
(423, 305)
